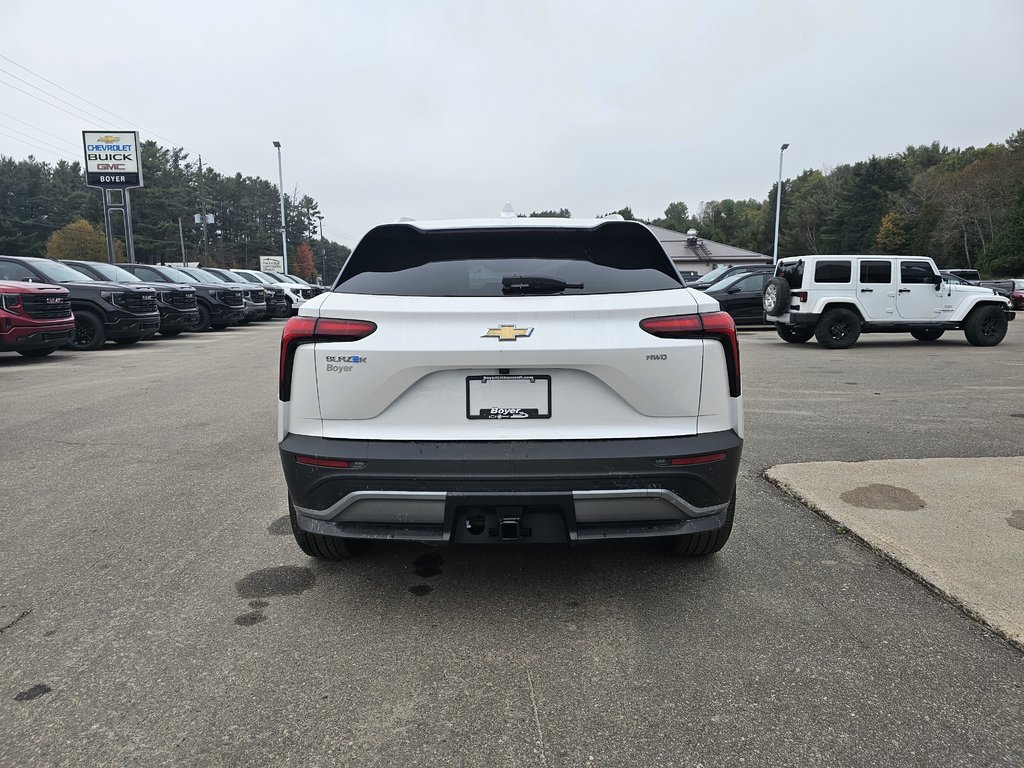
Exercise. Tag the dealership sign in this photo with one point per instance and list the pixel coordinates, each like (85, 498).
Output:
(271, 263)
(112, 159)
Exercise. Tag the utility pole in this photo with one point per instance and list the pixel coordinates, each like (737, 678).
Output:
(778, 207)
(181, 236)
(284, 226)
(202, 212)
(323, 246)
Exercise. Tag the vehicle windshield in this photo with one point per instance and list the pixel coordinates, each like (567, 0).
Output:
(177, 276)
(60, 273)
(204, 276)
(254, 277)
(956, 279)
(299, 280)
(115, 274)
(279, 277)
(224, 275)
(1018, 285)
(710, 277)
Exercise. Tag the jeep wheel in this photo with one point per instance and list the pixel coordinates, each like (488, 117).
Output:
(838, 329)
(775, 298)
(793, 334)
(89, 333)
(985, 326)
(321, 547)
(927, 334)
(706, 543)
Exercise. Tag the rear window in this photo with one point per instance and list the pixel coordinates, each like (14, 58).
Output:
(792, 272)
(832, 272)
(399, 260)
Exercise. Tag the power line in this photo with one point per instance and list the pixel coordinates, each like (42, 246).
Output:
(36, 127)
(41, 149)
(34, 138)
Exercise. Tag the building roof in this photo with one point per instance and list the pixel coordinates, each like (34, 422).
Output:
(689, 250)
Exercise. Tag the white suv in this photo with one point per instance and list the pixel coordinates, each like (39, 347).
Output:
(836, 298)
(500, 380)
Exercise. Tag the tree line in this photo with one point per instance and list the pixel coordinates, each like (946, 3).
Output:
(48, 210)
(962, 207)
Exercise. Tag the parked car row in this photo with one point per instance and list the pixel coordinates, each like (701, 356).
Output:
(47, 304)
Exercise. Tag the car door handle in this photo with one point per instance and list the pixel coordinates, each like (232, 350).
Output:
(904, 290)
(867, 290)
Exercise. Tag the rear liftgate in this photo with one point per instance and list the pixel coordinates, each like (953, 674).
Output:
(504, 518)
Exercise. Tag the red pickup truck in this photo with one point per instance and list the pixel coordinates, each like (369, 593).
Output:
(35, 318)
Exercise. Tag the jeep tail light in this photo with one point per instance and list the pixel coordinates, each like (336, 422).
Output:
(802, 295)
(308, 330)
(717, 326)
(313, 461)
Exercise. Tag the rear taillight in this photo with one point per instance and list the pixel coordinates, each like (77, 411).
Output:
(718, 326)
(308, 330)
(802, 295)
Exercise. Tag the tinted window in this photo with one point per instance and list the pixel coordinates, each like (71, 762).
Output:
(876, 272)
(916, 273)
(751, 282)
(832, 272)
(115, 274)
(400, 260)
(792, 272)
(10, 270)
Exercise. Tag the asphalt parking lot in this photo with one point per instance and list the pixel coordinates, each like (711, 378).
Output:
(155, 610)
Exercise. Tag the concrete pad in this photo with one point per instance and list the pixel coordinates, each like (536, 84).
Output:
(958, 524)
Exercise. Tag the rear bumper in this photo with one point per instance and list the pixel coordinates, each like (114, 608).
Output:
(554, 491)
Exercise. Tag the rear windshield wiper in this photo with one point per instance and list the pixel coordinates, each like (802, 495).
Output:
(535, 284)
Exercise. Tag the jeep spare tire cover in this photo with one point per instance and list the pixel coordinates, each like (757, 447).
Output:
(775, 297)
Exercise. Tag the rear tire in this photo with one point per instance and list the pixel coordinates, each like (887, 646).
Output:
(838, 329)
(793, 334)
(985, 326)
(89, 332)
(37, 352)
(706, 543)
(321, 547)
(927, 334)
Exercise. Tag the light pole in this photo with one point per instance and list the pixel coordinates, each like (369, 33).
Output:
(778, 204)
(280, 186)
(323, 247)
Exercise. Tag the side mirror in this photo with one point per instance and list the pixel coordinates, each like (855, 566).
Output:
(937, 279)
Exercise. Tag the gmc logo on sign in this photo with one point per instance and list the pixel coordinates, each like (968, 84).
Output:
(110, 167)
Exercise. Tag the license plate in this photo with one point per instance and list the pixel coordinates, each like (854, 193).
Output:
(508, 397)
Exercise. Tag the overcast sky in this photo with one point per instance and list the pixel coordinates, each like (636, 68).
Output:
(449, 109)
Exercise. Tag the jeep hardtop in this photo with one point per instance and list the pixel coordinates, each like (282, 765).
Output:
(836, 298)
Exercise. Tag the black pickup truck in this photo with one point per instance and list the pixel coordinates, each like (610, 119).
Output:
(103, 310)
(177, 303)
(219, 305)
(277, 302)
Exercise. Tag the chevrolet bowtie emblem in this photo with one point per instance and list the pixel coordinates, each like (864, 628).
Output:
(506, 333)
(109, 139)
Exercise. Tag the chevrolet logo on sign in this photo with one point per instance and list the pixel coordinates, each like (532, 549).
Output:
(506, 333)
(109, 140)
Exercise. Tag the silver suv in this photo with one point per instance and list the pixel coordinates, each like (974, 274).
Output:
(836, 298)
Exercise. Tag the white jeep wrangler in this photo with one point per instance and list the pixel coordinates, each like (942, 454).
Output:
(836, 298)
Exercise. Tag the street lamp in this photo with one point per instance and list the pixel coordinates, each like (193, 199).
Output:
(323, 248)
(280, 186)
(778, 204)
